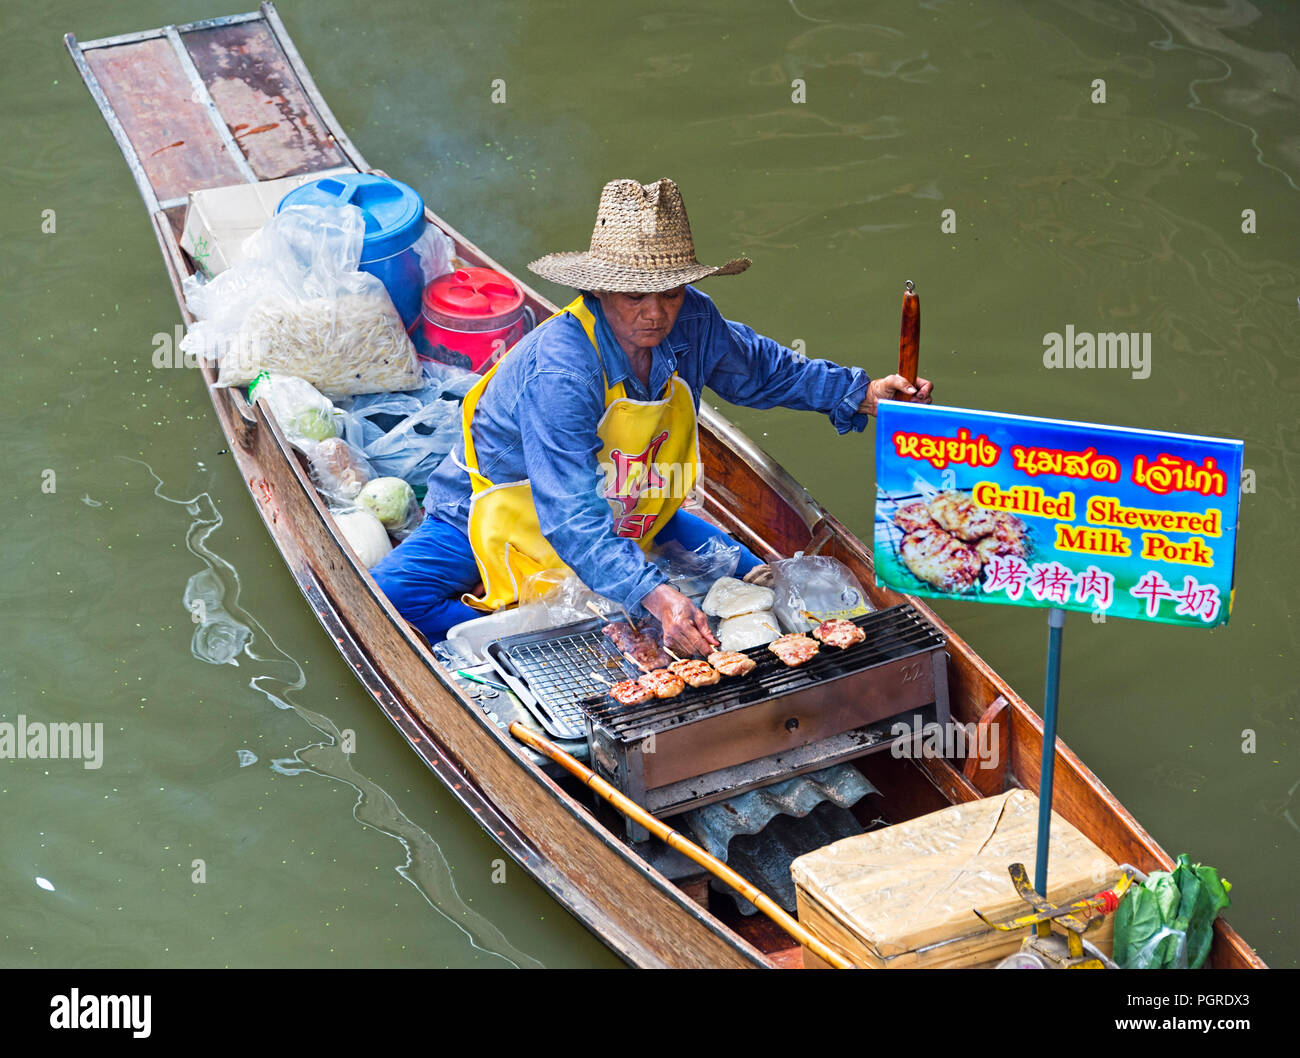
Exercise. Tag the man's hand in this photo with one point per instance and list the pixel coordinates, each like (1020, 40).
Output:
(686, 629)
(889, 387)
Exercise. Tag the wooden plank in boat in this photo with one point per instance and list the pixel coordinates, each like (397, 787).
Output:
(261, 100)
(174, 138)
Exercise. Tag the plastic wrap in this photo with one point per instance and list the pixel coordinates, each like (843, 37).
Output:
(817, 584)
(902, 895)
(434, 248)
(747, 630)
(692, 572)
(406, 435)
(298, 305)
(731, 598)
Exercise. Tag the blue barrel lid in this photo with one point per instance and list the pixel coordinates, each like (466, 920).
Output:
(394, 213)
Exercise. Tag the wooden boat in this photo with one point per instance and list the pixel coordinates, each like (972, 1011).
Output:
(227, 100)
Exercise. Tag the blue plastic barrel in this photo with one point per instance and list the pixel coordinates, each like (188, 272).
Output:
(394, 215)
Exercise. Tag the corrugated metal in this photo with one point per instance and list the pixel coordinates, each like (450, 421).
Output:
(761, 832)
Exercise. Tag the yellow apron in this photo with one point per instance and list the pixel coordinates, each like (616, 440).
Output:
(650, 458)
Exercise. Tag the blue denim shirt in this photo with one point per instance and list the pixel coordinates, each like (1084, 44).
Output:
(537, 421)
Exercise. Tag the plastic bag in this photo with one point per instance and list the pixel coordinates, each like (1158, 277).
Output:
(313, 425)
(306, 416)
(694, 572)
(731, 598)
(747, 630)
(1167, 922)
(434, 248)
(818, 584)
(563, 598)
(339, 470)
(297, 304)
(406, 435)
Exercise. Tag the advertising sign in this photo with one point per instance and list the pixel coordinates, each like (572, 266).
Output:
(1023, 511)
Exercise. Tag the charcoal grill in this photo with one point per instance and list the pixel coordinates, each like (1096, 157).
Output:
(710, 743)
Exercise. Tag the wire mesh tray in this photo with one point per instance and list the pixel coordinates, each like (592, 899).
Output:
(551, 672)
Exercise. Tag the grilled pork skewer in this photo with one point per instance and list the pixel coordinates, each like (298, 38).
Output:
(695, 672)
(794, 649)
(662, 683)
(631, 692)
(641, 648)
(731, 662)
(839, 633)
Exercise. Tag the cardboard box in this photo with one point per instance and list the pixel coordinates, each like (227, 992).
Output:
(218, 220)
(904, 896)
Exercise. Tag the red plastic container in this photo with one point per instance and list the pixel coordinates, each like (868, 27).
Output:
(472, 316)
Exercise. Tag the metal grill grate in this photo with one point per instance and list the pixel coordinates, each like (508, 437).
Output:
(897, 632)
(554, 668)
(557, 671)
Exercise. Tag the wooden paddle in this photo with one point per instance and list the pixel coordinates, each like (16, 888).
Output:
(909, 338)
(686, 847)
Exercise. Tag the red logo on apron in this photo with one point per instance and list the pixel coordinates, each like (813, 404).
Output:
(632, 476)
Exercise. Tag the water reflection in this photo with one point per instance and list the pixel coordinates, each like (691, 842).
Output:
(225, 632)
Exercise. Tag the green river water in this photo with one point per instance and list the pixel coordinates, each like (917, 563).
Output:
(1122, 215)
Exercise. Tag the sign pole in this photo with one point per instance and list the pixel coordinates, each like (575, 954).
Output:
(1055, 629)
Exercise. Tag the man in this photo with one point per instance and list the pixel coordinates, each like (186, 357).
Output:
(580, 445)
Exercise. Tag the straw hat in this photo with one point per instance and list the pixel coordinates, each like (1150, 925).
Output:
(641, 244)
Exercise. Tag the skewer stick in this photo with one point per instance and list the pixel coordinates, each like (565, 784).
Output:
(669, 651)
(597, 611)
(688, 848)
(600, 679)
(635, 664)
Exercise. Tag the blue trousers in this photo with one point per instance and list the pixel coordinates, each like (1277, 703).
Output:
(426, 574)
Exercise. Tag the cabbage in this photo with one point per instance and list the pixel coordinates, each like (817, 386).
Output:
(391, 500)
(315, 424)
(365, 535)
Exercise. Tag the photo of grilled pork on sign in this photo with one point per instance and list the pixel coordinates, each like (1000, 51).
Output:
(947, 540)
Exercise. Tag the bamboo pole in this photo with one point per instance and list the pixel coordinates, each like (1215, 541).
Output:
(688, 848)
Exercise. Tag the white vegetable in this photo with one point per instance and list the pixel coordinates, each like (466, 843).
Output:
(730, 597)
(365, 535)
(747, 630)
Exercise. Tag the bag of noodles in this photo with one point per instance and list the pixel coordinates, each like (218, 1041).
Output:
(298, 304)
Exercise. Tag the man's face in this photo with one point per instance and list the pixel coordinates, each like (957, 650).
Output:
(641, 321)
